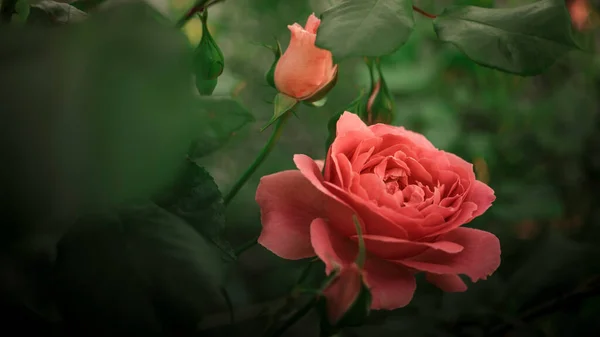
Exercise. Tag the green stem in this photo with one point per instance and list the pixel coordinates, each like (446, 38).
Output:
(261, 157)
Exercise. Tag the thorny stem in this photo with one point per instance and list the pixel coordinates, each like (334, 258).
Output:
(424, 13)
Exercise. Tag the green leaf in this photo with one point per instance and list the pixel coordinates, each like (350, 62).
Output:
(349, 28)
(54, 13)
(221, 118)
(22, 8)
(282, 104)
(142, 272)
(523, 40)
(196, 198)
(95, 114)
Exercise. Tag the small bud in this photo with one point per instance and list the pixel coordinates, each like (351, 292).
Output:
(270, 75)
(206, 87)
(208, 58)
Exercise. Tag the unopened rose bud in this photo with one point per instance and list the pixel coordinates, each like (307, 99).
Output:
(208, 58)
(381, 105)
(304, 71)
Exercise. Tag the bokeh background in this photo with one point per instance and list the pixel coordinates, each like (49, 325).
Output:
(534, 140)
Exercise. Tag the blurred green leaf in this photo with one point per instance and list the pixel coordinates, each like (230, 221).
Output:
(143, 272)
(523, 40)
(52, 12)
(94, 114)
(196, 198)
(348, 29)
(220, 118)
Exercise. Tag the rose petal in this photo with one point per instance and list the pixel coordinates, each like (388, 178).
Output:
(416, 138)
(349, 121)
(336, 209)
(479, 258)
(391, 286)
(482, 195)
(288, 204)
(393, 249)
(312, 24)
(447, 282)
(343, 292)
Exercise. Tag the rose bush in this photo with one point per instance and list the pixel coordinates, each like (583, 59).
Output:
(305, 71)
(410, 197)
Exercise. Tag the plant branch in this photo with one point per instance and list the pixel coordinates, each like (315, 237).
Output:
(198, 7)
(259, 159)
(424, 13)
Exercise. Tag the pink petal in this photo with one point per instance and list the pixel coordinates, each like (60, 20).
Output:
(288, 204)
(416, 138)
(447, 282)
(389, 248)
(348, 122)
(343, 292)
(312, 24)
(391, 286)
(336, 209)
(479, 258)
(482, 195)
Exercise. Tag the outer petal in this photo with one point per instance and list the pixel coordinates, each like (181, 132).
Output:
(389, 248)
(417, 138)
(348, 122)
(447, 282)
(482, 195)
(391, 286)
(343, 292)
(288, 204)
(479, 258)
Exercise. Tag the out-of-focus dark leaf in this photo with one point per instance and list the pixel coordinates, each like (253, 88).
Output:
(142, 272)
(196, 198)
(221, 118)
(93, 114)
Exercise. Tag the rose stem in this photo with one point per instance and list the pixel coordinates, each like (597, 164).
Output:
(422, 12)
(261, 157)
(198, 7)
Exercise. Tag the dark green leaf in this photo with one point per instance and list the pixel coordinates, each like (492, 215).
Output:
(221, 118)
(93, 114)
(523, 40)
(348, 29)
(142, 272)
(196, 198)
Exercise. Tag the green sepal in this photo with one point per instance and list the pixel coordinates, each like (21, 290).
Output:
(208, 58)
(282, 104)
(316, 104)
(270, 75)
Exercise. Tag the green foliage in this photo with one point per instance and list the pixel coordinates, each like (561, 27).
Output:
(349, 28)
(220, 118)
(94, 114)
(523, 40)
(142, 271)
(196, 198)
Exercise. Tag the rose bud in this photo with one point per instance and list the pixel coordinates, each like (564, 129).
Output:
(208, 58)
(305, 72)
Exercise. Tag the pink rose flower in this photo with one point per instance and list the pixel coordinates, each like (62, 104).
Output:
(410, 197)
(304, 71)
(580, 13)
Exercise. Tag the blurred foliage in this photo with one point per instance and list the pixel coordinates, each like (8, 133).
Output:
(535, 140)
